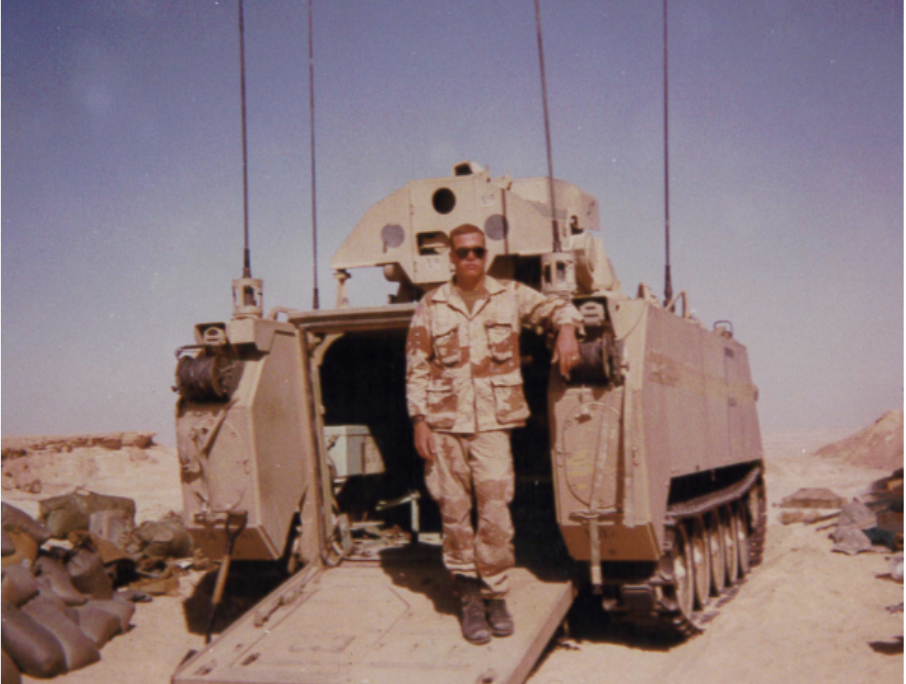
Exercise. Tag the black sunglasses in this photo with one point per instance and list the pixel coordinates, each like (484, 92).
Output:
(463, 252)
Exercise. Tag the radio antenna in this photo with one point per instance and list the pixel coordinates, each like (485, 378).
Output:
(547, 132)
(246, 255)
(314, 204)
(668, 285)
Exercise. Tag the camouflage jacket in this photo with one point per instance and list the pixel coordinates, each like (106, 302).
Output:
(462, 370)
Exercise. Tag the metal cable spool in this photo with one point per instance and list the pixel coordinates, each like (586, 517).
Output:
(591, 367)
(201, 378)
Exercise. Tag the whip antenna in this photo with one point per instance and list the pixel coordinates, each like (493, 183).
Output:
(668, 285)
(248, 292)
(314, 205)
(547, 131)
(246, 255)
(558, 268)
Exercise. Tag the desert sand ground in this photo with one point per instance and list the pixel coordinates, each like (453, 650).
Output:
(806, 615)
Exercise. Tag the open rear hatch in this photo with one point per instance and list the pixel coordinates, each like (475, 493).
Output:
(388, 622)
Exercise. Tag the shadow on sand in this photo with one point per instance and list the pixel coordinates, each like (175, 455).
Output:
(894, 647)
(247, 584)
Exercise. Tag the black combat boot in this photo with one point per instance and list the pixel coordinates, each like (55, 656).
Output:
(474, 625)
(499, 617)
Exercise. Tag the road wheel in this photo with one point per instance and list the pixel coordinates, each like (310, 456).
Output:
(682, 571)
(731, 554)
(716, 552)
(742, 538)
(701, 567)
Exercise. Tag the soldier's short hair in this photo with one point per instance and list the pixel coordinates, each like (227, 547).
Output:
(466, 229)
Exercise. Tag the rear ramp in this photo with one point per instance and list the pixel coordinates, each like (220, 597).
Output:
(378, 624)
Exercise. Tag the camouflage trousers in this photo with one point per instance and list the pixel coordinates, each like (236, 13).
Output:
(480, 464)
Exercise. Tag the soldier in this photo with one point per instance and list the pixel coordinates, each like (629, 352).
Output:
(464, 391)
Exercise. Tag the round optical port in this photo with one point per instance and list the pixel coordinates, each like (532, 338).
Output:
(443, 200)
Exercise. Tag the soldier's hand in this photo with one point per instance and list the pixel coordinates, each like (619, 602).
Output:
(566, 351)
(425, 444)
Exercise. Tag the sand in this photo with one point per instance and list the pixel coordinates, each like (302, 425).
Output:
(806, 615)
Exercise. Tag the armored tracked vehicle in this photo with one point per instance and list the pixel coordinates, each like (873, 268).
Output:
(640, 479)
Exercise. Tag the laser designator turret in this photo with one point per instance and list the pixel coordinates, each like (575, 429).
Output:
(407, 234)
(639, 480)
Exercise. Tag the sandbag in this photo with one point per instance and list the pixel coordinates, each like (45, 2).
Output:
(7, 547)
(69, 513)
(18, 585)
(98, 624)
(167, 538)
(45, 593)
(26, 549)
(109, 552)
(9, 673)
(88, 574)
(14, 518)
(114, 525)
(123, 610)
(33, 648)
(50, 572)
(79, 649)
(62, 515)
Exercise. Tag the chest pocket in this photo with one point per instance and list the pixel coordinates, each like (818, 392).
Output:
(446, 345)
(501, 340)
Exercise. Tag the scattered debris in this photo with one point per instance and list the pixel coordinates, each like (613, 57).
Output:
(167, 538)
(63, 515)
(813, 498)
(789, 517)
(809, 505)
(852, 522)
(873, 520)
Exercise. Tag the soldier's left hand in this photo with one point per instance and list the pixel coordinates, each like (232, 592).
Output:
(566, 351)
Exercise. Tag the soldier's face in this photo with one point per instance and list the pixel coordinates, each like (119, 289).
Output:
(470, 265)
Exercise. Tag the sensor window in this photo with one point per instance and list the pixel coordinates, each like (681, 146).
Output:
(443, 200)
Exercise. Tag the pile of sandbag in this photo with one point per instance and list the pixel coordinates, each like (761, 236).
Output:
(107, 524)
(59, 606)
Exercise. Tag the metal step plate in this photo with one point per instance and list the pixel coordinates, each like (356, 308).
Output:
(373, 624)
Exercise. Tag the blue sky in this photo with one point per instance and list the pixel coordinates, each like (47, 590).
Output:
(122, 211)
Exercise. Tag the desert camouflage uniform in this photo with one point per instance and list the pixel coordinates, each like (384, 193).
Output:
(463, 374)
